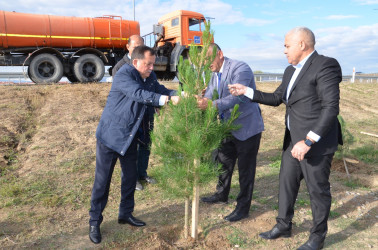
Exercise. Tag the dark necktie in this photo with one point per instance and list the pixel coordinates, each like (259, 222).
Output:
(219, 81)
(219, 86)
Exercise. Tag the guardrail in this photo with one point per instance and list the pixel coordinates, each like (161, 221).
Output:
(18, 77)
(277, 77)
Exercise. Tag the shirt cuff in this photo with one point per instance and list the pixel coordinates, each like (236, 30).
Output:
(249, 93)
(313, 136)
(162, 100)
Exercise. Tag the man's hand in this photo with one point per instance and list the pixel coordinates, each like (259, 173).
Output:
(203, 91)
(299, 150)
(174, 99)
(237, 89)
(202, 102)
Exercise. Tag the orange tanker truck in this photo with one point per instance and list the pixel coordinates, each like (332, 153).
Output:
(79, 48)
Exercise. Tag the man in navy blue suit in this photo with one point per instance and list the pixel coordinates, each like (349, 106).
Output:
(134, 89)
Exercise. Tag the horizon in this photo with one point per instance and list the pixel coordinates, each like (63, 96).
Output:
(252, 32)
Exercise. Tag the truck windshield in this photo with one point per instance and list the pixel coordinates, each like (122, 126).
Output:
(196, 24)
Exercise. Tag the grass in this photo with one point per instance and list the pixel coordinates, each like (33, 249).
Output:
(356, 184)
(237, 237)
(366, 153)
(276, 162)
(301, 202)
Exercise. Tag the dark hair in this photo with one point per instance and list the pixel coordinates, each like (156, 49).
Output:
(139, 52)
(212, 45)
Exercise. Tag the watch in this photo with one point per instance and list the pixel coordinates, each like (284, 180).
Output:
(308, 142)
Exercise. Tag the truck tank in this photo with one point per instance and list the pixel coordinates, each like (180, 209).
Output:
(21, 30)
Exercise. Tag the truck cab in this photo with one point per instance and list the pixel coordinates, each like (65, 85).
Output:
(175, 33)
(183, 27)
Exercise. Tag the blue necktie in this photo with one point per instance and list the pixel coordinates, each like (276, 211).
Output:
(219, 80)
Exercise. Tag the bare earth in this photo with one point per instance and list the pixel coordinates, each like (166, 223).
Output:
(47, 161)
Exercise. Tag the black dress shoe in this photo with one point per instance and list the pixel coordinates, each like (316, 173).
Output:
(215, 198)
(132, 221)
(95, 234)
(275, 233)
(236, 216)
(312, 245)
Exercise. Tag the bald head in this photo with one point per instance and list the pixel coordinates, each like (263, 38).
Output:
(304, 34)
(299, 43)
(134, 41)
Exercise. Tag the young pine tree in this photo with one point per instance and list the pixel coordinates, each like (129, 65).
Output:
(184, 136)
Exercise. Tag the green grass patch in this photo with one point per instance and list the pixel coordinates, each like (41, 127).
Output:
(366, 153)
(333, 214)
(355, 184)
(275, 207)
(276, 161)
(302, 202)
(237, 237)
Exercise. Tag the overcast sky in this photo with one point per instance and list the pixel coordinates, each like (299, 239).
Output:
(252, 31)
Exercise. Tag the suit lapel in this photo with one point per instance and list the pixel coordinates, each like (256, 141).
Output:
(226, 69)
(286, 79)
(303, 71)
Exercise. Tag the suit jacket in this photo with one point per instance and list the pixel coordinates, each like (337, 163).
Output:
(143, 133)
(126, 105)
(250, 117)
(313, 103)
(125, 60)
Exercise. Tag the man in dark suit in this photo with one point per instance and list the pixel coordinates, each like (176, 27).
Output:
(143, 136)
(134, 89)
(133, 42)
(244, 143)
(310, 91)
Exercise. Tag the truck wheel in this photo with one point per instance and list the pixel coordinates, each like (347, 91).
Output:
(45, 68)
(89, 68)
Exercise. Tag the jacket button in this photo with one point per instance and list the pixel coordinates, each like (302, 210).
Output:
(131, 135)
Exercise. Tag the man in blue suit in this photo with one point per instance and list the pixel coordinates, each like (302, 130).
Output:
(133, 90)
(144, 140)
(244, 143)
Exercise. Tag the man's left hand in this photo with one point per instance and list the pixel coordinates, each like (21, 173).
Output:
(202, 103)
(299, 150)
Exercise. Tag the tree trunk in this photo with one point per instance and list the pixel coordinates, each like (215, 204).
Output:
(186, 227)
(195, 202)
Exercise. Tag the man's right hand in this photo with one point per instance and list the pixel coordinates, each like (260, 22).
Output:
(174, 99)
(237, 89)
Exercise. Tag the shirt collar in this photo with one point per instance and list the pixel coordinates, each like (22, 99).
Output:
(221, 69)
(304, 60)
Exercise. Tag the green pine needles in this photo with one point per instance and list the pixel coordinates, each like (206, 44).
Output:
(184, 136)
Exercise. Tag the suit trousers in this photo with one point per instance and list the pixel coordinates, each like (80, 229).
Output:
(106, 159)
(315, 170)
(245, 152)
(143, 158)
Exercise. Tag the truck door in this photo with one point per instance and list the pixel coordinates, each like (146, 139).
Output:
(196, 26)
